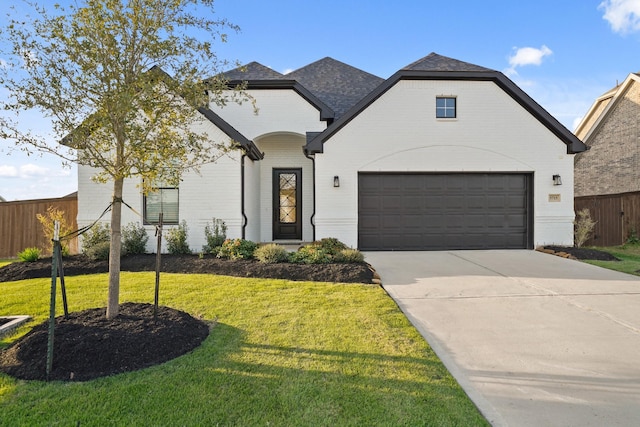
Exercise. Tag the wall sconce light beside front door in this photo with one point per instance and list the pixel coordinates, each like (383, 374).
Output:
(336, 181)
(557, 180)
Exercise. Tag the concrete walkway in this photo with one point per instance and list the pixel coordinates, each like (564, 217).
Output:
(534, 339)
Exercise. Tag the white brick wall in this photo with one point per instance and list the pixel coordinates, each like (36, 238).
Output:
(278, 111)
(214, 192)
(284, 151)
(278, 129)
(399, 132)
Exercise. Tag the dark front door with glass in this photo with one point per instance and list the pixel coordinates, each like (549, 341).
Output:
(287, 204)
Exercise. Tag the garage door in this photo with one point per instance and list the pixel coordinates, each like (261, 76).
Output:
(444, 211)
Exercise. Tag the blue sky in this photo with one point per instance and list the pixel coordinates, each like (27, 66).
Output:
(563, 53)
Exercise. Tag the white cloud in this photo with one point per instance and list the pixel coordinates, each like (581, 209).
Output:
(622, 15)
(527, 56)
(8, 171)
(287, 71)
(27, 181)
(30, 170)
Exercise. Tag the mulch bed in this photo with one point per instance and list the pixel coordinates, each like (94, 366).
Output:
(80, 264)
(88, 346)
(581, 253)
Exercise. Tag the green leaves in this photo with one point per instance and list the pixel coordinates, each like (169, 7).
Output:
(101, 70)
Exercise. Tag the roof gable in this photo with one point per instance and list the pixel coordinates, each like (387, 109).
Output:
(437, 67)
(253, 71)
(337, 84)
(247, 145)
(603, 106)
(435, 62)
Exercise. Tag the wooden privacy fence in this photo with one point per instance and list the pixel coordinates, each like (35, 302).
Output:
(617, 217)
(20, 228)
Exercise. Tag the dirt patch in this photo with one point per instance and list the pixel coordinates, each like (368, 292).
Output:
(581, 253)
(80, 264)
(88, 346)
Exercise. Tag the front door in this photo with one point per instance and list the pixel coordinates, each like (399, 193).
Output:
(287, 204)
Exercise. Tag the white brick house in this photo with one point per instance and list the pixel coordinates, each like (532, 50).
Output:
(442, 155)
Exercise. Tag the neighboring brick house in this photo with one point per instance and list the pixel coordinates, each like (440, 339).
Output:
(607, 176)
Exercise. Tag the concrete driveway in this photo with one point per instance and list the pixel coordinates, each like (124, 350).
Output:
(534, 339)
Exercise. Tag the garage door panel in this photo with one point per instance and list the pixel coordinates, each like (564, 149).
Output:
(443, 211)
(413, 203)
(477, 202)
(437, 183)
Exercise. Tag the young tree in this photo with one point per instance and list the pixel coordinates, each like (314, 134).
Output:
(99, 70)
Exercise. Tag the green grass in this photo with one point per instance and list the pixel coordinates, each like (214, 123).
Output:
(629, 256)
(282, 354)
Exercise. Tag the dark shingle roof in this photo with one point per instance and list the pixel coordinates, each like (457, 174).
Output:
(335, 83)
(435, 62)
(253, 71)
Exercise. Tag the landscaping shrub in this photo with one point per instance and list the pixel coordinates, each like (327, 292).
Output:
(134, 239)
(311, 254)
(633, 238)
(237, 249)
(349, 256)
(29, 254)
(177, 240)
(96, 242)
(331, 245)
(99, 251)
(271, 254)
(216, 234)
(326, 251)
(584, 227)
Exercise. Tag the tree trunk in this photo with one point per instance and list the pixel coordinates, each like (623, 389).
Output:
(113, 306)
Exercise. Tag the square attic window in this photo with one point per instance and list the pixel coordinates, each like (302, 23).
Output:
(445, 107)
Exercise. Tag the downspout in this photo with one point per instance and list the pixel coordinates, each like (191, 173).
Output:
(244, 216)
(313, 214)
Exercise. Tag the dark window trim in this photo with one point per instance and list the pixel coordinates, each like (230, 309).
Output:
(144, 206)
(446, 108)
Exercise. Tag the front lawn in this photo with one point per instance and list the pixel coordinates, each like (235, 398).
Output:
(279, 353)
(629, 256)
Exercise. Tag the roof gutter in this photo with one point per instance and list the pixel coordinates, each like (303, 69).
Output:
(309, 156)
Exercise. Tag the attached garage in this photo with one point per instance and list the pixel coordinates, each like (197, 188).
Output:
(425, 211)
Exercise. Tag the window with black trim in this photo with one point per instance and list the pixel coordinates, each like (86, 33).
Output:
(161, 199)
(445, 107)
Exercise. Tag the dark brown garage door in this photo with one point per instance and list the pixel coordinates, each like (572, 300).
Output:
(444, 211)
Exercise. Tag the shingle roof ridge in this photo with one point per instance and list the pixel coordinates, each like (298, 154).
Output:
(436, 62)
(334, 61)
(337, 84)
(253, 71)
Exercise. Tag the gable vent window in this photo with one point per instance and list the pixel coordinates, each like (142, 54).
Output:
(445, 107)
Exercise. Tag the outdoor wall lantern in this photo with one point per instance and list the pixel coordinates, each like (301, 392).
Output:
(336, 181)
(557, 180)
